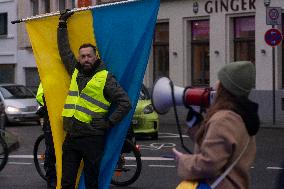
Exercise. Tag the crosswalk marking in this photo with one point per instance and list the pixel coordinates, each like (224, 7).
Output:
(166, 166)
(19, 163)
(170, 135)
(275, 168)
(128, 158)
(21, 156)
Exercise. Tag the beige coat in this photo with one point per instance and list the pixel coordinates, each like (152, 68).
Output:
(224, 139)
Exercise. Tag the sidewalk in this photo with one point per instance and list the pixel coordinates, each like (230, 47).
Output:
(275, 126)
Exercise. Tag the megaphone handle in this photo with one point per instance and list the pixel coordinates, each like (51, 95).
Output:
(177, 120)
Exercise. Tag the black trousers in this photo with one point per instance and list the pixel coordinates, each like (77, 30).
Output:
(49, 161)
(88, 148)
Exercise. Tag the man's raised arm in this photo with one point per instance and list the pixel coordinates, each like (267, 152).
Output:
(67, 56)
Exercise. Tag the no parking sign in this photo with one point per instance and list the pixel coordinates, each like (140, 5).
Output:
(273, 37)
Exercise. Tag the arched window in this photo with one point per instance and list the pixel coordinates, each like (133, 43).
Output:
(244, 38)
(200, 52)
(161, 51)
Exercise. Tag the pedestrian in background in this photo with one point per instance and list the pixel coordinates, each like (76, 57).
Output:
(226, 133)
(49, 161)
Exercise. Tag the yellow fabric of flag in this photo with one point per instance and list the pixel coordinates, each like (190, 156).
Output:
(55, 79)
(187, 185)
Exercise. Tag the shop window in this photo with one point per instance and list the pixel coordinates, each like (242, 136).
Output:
(244, 39)
(7, 73)
(161, 51)
(3, 24)
(200, 52)
(32, 78)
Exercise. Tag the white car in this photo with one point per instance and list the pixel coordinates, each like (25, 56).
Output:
(19, 103)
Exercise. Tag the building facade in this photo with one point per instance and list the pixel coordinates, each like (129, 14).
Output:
(24, 69)
(26, 72)
(193, 40)
(8, 41)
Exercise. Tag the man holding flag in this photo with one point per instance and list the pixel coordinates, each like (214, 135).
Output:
(86, 115)
(123, 45)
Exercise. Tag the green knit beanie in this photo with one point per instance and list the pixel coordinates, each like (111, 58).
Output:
(238, 77)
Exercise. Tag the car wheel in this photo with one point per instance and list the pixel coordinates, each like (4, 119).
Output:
(155, 136)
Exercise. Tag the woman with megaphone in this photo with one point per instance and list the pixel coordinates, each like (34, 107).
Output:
(225, 140)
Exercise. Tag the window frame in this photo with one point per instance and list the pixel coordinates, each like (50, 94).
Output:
(34, 4)
(282, 65)
(60, 3)
(46, 6)
(199, 42)
(32, 78)
(5, 23)
(248, 40)
(10, 70)
(156, 46)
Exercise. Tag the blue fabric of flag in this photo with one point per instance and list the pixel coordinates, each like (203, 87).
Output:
(203, 185)
(124, 34)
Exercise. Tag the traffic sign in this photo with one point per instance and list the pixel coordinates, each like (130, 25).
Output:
(273, 37)
(273, 16)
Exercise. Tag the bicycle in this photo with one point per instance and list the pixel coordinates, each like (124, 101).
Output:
(3, 152)
(125, 173)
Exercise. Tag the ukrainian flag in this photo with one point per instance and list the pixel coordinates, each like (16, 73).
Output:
(193, 185)
(123, 34)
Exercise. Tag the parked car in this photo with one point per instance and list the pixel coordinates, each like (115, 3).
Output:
(19, 103)
(145, 120)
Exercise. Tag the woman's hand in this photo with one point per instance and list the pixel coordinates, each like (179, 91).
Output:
(177, 154)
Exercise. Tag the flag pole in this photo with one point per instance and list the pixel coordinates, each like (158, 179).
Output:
(72, 10)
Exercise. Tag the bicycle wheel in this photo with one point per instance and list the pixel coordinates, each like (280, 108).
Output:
(39, 156)
(3, 153)
(128, 167)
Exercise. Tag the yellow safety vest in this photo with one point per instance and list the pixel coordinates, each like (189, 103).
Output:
(39, 95)
(90, 101)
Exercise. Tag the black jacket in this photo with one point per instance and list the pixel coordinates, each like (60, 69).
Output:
(113, 92)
